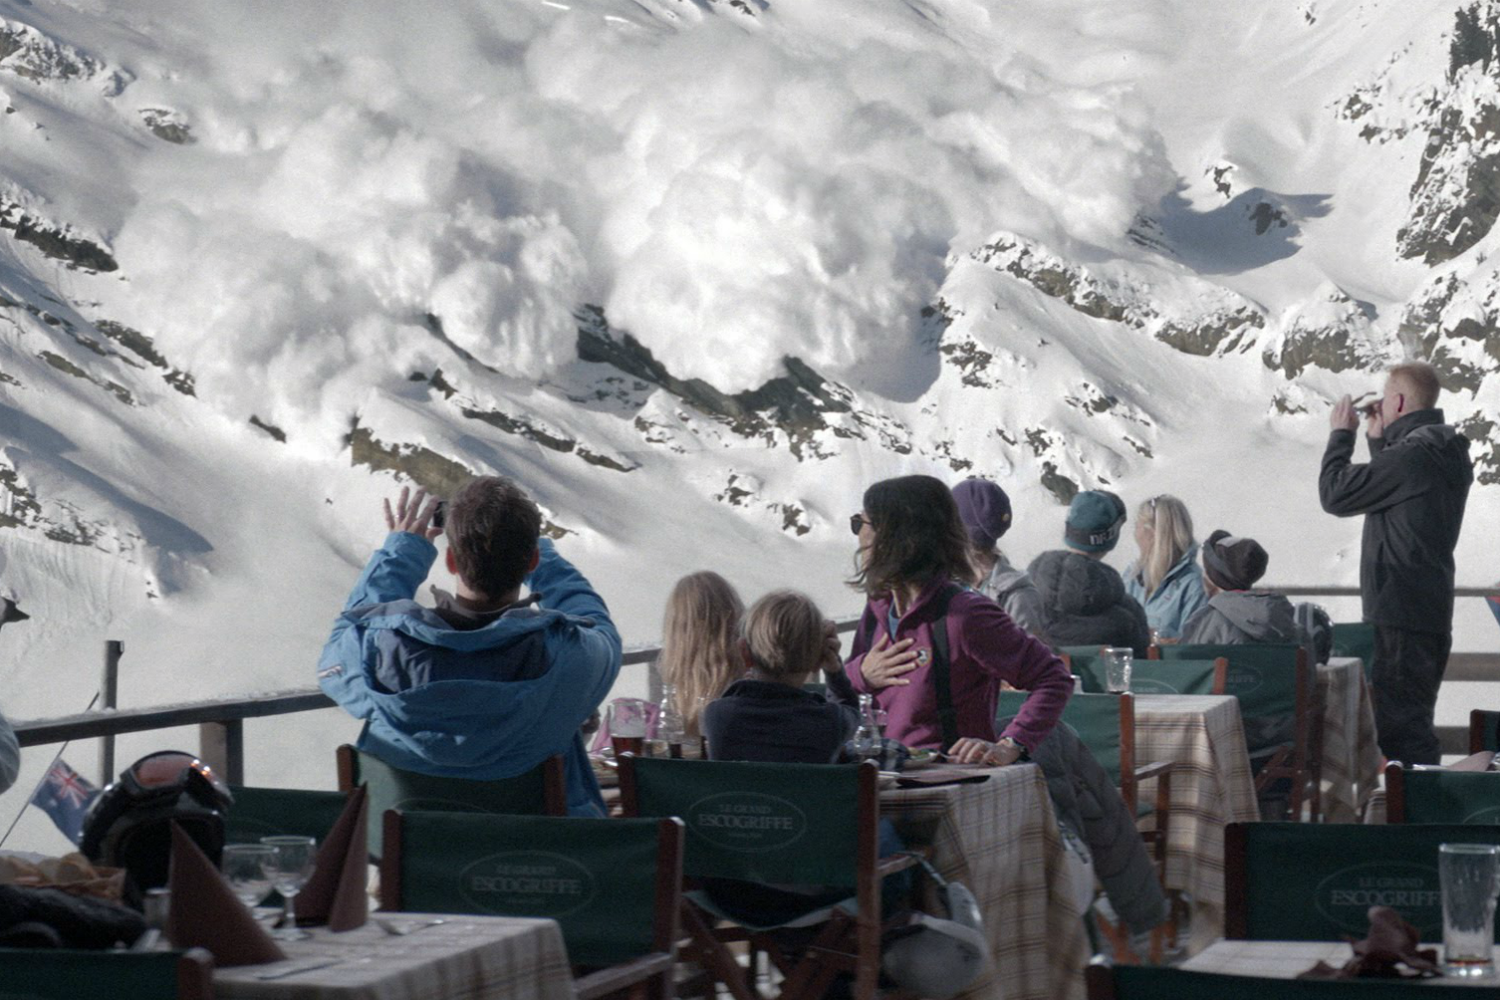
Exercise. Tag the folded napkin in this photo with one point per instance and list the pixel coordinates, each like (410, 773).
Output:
(1484, 760)
(205, 912)
(336, 894)
(943, 774)
(1391, 943)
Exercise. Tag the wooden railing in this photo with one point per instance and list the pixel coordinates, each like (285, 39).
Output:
(221, 721)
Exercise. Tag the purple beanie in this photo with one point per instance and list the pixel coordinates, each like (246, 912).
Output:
(985, 510)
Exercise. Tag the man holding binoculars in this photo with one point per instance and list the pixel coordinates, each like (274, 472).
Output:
(1412, 494)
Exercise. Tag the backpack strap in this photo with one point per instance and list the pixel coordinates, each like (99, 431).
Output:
(941, 678)
(865, 634)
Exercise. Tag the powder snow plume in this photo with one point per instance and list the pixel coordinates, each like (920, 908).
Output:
(730, 188)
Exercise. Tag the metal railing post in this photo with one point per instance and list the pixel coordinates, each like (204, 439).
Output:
(221, 745)
(109, 689)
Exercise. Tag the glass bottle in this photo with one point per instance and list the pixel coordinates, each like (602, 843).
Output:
(867, 737)
(670, 728)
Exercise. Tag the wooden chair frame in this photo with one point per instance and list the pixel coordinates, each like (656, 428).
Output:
(845, 943)
(553, 779)
(1131, 778)
(195, 968)
(1477, 719)
(654, 971)
(1236, 903)
(1395, 792)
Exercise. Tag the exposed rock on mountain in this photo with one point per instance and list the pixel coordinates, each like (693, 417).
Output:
(57, 241)
(801, 405)
(1331, 331)
(1456, 197)
(1217, 320)
(1454, 325)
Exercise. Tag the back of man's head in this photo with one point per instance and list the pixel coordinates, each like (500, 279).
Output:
(1419, 380)
(492, 528)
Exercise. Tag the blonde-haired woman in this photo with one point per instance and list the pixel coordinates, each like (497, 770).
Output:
(699, 647)
(1166, 579)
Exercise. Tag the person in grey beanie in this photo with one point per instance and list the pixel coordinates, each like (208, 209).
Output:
(1084, 602)
(985, 510)
(1236, 613)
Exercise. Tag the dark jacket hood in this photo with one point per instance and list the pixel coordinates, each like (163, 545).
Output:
(1073, 584)
(1425, 429)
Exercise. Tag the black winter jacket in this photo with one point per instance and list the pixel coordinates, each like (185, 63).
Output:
(1086, 800)
(1412, 493)
(770, 722)
(1085, 603)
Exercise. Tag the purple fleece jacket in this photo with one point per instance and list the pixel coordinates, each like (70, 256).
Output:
(985, 647)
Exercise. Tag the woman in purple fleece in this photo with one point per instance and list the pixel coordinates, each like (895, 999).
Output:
(913, 550)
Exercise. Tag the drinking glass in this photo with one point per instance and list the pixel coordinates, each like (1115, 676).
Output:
(1470, 876)
(290, 868)
(247, 869)
(1118, 662)
(627, 729)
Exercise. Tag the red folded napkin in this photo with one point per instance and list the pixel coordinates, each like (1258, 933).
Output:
(1391, 943)
(205, 912)
(336, 894)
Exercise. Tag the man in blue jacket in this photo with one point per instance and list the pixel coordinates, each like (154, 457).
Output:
(485, 685)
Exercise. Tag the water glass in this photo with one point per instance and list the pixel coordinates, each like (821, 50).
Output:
(290, 868)
(1118, 662)
(246, 868)
(1470, 875)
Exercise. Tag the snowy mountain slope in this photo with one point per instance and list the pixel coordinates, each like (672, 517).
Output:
(696, 272)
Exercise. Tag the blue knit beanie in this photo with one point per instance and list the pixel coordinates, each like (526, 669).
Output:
(1094, 521)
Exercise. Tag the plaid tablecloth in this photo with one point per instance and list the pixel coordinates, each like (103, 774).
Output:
(1000, 839)
(465, 958)
(1351, 756)
(1211, 787)
(1284, 959)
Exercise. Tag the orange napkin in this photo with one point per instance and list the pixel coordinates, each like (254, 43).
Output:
(336, 894)
(206, 913)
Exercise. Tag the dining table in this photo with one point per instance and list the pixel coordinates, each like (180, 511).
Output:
(999, 837)
(1351, 760)
(1286, 959)
(414, 957)
(1211, 785)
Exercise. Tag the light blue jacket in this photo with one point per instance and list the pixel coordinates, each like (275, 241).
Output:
(1179, 595)
(385, 647)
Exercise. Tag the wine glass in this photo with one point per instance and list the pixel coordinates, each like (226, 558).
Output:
(290, 868)
(247, 869)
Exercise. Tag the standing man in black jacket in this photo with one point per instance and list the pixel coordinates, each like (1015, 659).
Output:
(1412, 493)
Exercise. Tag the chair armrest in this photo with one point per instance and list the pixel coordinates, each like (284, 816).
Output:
(616, 977)
(1155, 770)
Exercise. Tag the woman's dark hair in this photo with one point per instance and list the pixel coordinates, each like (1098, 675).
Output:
(918, 535)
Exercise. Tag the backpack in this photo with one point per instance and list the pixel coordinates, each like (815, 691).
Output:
(1317, 629)
(129, 824)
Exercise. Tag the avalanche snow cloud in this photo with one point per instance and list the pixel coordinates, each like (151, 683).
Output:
(731, 188)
